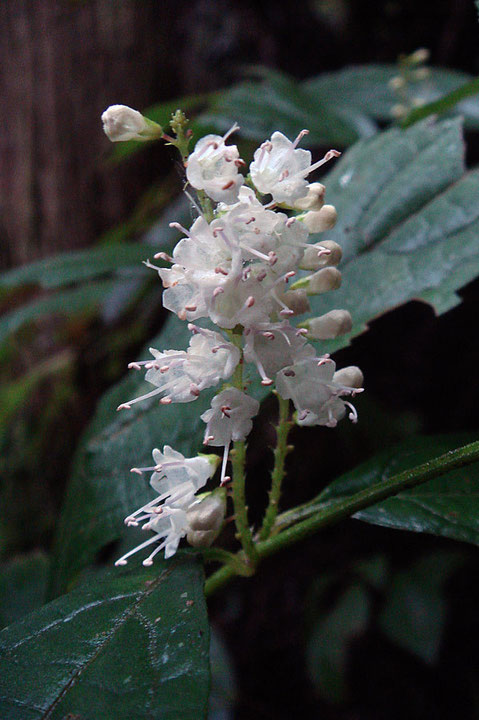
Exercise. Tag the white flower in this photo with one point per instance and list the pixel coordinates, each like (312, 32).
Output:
(169, 526)
(280, 168)
(272, 346)
(176, 479)
(121, 122)
(180, 376)
(230, 417)
(311, 385)
(213, 167)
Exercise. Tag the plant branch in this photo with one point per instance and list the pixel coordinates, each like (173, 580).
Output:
(335, 511)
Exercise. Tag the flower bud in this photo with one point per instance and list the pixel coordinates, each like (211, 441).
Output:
(320, 220)
(328, 278)
(296, 300)
(397, 82)
(350, 376)
(315, 258)
(398, 111)
(205, 518)
(329, 326)
(121, 123)
(314, 199)
(419, 56)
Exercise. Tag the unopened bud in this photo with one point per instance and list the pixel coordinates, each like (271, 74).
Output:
(398, 111)
(320, 220)
(205, 518)
(397, 82)
(350, 376)
(121, 123)
(419, 56)
(297, 301)
(314, 199)
(328, 278)
(329, 326)
(314, 258)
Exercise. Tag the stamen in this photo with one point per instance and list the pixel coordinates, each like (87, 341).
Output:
(122, 560)
(224, 463)
(163, 256)
(353, 415)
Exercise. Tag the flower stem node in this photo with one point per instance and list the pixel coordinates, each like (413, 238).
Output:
(329, 326)
(318, 221)
(122, 123)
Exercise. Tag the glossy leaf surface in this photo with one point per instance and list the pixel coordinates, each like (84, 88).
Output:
(131, 645)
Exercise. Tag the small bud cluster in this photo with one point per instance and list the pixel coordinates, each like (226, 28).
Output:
(233, 268)
(411, 70)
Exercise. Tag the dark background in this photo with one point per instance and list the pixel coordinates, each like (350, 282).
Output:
(62, 64)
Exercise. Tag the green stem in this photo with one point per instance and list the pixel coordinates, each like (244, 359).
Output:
(206, 205)
(349, 506)
(277, 475)
(235, 561)
(238, 461)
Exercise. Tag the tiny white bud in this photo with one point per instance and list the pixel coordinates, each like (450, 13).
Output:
(328, 278)
(314, 199)
(297, 301)
(398, 111)
(397, 82)
(350, 376)
(419, 56)
(320, 220)
(121, 123)
(314, 258)
(205, 518)
(329, 326)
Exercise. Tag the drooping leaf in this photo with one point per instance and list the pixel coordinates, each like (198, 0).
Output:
(132, 645)
(407, 222)
(414, 610)
(105, 259)
(78, 266)
(23, 584)
(447, 505)
(67, 302)
(327, 648)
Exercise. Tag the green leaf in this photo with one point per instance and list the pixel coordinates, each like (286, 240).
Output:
(327, 649)
(78, 300)
(280, 103)
(447, 505)
(408, 222)
(68, 268)
(414, 612)
(132, 645)
(365, 89)
(23, 584)
(445, 103)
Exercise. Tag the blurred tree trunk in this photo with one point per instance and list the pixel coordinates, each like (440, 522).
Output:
(62, 63)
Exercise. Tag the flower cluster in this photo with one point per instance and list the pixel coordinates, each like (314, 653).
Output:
(233, 269)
